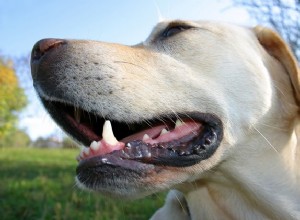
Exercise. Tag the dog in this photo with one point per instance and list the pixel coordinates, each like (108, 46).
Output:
(209, 110)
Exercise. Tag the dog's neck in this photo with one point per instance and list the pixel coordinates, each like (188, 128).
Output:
(235, 188)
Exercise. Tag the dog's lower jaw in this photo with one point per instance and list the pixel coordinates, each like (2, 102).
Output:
(119, 192)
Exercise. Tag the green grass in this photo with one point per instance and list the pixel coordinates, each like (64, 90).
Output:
(39, 184)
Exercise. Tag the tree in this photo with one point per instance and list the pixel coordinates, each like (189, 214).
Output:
(12, 100)
(17, 138)
(68, 143)
(47, 142)
(282, 15)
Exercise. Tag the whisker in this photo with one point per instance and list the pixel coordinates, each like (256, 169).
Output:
(270, 126)
(182, 206)
(148, 123)
(266, 140)
(282, 93)
(277, 87)
(163, 121)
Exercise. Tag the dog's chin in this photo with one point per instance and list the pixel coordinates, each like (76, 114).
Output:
(146, 148)
(118, 182)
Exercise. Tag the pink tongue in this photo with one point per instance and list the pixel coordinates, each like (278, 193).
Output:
(179, 132)
(154, 134)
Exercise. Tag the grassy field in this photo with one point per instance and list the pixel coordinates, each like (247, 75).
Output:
(39, 184)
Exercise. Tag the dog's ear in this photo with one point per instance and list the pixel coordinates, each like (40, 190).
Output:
(277, 48)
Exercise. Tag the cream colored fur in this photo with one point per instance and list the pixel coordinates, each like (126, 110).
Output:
(258, 175)
(247, 77)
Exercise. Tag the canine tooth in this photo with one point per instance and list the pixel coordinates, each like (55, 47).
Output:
(94, 145)
(146, 137)
(77, 114)
(178, 123)
(108, 135)
(164, 131)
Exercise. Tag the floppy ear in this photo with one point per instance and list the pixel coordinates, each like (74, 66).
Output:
(277, 48)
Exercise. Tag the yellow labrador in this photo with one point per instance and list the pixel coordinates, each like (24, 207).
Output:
(207, 109)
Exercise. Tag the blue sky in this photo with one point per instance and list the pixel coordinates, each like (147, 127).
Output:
(23, 22)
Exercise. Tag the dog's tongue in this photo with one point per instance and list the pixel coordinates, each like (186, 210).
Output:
(151, 133)
(157, 134)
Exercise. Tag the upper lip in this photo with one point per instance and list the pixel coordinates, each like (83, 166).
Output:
(87, 127)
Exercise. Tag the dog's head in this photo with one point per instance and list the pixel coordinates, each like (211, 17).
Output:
(179, 104)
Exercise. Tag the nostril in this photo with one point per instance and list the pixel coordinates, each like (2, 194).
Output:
(44, 46)
(36, 53)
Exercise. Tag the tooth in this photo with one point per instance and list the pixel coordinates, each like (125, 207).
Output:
(108, 135)
(77, 114)
(95, 146)
(146, 137)
(86, 151)
(178, 123)
(164, 131)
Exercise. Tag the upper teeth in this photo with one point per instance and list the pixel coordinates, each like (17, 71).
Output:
(164, 131)
(146, 137)
(95, 145)
(178, 123)
(108, 135)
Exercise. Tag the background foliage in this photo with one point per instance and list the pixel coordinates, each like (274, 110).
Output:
(12, 100)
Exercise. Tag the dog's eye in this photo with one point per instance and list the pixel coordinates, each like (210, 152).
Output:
(171, 31)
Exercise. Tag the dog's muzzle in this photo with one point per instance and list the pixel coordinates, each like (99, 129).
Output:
(134, 147)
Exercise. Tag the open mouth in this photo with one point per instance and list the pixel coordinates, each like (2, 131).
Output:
(177, 140)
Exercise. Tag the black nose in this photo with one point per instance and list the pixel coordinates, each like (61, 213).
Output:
(41, 49)
(44, 46)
